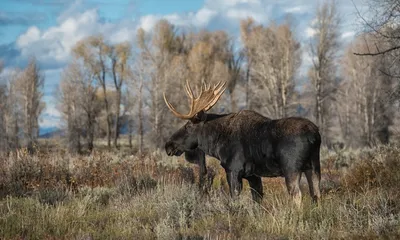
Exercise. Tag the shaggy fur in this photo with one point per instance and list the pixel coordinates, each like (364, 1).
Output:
(252, 146)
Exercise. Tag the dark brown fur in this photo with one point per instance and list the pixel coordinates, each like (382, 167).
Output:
(251, 146)
(295, 125)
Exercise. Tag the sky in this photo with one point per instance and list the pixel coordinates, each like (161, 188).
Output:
(47, 29)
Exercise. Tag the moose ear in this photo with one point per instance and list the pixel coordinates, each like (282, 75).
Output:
(199, 117)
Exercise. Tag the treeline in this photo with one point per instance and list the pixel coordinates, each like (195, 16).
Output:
(20, 107)
(160, 62)
(109, 87)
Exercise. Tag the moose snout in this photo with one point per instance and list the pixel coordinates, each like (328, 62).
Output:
(169, 148)
(172, 150)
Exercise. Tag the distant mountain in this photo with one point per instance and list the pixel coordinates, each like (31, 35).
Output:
(50, 132)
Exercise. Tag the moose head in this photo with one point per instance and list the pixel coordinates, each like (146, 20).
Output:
(186, 138)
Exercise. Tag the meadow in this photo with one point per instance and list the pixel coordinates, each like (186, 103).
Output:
(112, 194)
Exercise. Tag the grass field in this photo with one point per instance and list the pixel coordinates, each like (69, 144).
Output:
(112, 195)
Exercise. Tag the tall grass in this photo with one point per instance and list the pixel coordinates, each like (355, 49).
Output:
(111, 196)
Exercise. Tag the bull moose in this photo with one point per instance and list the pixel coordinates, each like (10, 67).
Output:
(248, 145)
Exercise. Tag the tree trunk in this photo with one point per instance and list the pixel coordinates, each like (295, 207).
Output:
(318, 102)
(90, 132)
(140, 106)
(157, 112)
(15, 134)
(248, 79)
(74, 145)
(117, 119)
(3, 141)
(234, 107)
(102, 80)
(108, 130)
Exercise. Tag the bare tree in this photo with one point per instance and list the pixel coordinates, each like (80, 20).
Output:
(138, 77)
(13, 111)
(137, 85)
(157, 50)
(274, 54)
(382, 22)
(366, 110)
(167, 60)
(129, 100)
(324, 46)
(208, 59)
(119, 55)
(3, 124)
(29, 87)
(3, 106)
(246, 29)
(68, 104)
(234, 63)
(95, 52)
(80, 103)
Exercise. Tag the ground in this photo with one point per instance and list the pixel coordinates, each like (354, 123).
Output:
(115, 195)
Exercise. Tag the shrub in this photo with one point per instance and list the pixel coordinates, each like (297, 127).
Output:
(379, 169)
(108, 196)
(52, 196)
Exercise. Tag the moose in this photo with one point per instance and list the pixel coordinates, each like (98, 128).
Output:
(248, 145)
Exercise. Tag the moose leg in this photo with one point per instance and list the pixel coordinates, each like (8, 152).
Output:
(313, 179)
(198, 157)
(293, 186)
(256, 188)
(235, 183)
(314, 176)
(202, 173)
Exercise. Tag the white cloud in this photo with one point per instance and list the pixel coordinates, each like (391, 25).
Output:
(123, 34)
(31, 35)
(310, 32)
(314, 21)
(297, 9)
(55, 43)
(238, 14)
(231, 3)
(52, 111)
(236, 10)
(51, 116)
(50, 122)
(7, 71)
(147, 22)
(198, 19)
(204, 15)
(348, 34)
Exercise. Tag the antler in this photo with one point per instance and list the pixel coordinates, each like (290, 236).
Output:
(207, 98)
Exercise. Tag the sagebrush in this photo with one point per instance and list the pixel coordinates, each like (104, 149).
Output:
(111, 196)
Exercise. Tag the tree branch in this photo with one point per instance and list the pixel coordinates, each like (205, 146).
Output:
(377, 53)
(388, 74)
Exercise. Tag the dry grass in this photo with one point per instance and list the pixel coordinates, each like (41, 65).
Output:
(117, 196)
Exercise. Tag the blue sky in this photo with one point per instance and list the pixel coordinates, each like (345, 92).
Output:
(48, 29)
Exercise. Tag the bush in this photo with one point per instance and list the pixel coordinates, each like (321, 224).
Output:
(379, 169)
(23, 175)
(108, 196)
(52, 196)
